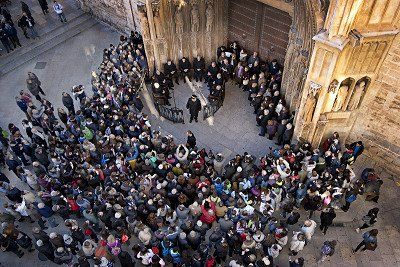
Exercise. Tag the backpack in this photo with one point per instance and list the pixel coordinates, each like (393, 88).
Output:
(327, 249)
(351, 198)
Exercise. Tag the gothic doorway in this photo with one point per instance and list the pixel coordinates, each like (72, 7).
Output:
(259, 27)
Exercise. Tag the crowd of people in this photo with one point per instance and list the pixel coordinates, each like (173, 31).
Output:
(8, 29)
(125, 192)
(261, 79)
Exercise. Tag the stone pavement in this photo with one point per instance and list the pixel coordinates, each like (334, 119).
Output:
(231, 131)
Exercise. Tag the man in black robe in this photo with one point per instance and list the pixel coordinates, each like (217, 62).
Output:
(194, 107)
(171, 71)
(199, 67)
(184, 67)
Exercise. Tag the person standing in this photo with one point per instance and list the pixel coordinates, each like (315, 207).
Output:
(45, 7)
(327, 216)
(12, 34)
(327, 250)
(28, 23)
(194, 107)
(191, 140)
(369, 219)
(4, 38)
(58, 8)
(25, 9)
(370, 241)
(68, 102)
(33, 86)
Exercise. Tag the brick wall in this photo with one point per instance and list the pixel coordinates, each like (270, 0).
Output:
(379, 122)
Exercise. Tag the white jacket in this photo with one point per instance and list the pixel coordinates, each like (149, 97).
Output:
(296, 245)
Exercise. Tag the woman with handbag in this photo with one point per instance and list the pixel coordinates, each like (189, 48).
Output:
(369, 242)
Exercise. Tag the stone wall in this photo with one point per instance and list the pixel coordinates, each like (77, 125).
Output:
(379, 127)
(112, 12)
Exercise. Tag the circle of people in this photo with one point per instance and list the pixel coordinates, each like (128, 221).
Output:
(127, 193)
(261, 79)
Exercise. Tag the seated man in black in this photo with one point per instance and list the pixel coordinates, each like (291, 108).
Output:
(184, 67)
(219, 80)
(212, 71)
(158, 76)
(216, 94)
(199, 66)
(160, 94)
(171, 71)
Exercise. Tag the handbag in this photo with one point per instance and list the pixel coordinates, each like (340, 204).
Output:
(371, 246)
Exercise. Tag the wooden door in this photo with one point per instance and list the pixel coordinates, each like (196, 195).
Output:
(259, 27)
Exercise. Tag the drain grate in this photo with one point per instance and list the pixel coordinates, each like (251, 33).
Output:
(40, 65)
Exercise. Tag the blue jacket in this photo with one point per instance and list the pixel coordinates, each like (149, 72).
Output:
(46, 211)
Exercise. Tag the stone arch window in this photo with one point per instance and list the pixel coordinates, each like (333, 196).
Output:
(341, 98)
(357, 93)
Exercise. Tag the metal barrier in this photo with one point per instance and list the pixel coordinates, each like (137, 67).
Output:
(210, 109)
(172, 114)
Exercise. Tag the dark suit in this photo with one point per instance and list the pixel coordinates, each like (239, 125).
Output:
(194, 108)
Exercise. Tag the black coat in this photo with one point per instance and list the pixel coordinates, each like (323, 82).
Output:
(193, 106)
(169, 68)
(327, 217)
(68, 102)
(184, 65)
(199, 64)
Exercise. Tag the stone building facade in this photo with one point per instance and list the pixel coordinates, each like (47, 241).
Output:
(341, 61)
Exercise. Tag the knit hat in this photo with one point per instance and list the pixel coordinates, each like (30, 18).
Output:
(39, 243)
(182, 235)
(67, 239)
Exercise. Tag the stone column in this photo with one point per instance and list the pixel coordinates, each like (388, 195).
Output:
(153, 36)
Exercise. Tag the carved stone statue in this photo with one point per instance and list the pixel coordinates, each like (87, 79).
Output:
(157, 20)
(332, 86)
(195, 19)
(340, 97)
(178, 21)
(355, 99)
(309, 107)
(209, 18)
(144, 25)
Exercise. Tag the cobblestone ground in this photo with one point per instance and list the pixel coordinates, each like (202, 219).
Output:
(231, 131)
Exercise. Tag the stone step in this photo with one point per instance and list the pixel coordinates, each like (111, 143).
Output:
(74, 18)
(47, 41)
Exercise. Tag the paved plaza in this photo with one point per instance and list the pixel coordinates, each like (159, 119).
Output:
(232, 130)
